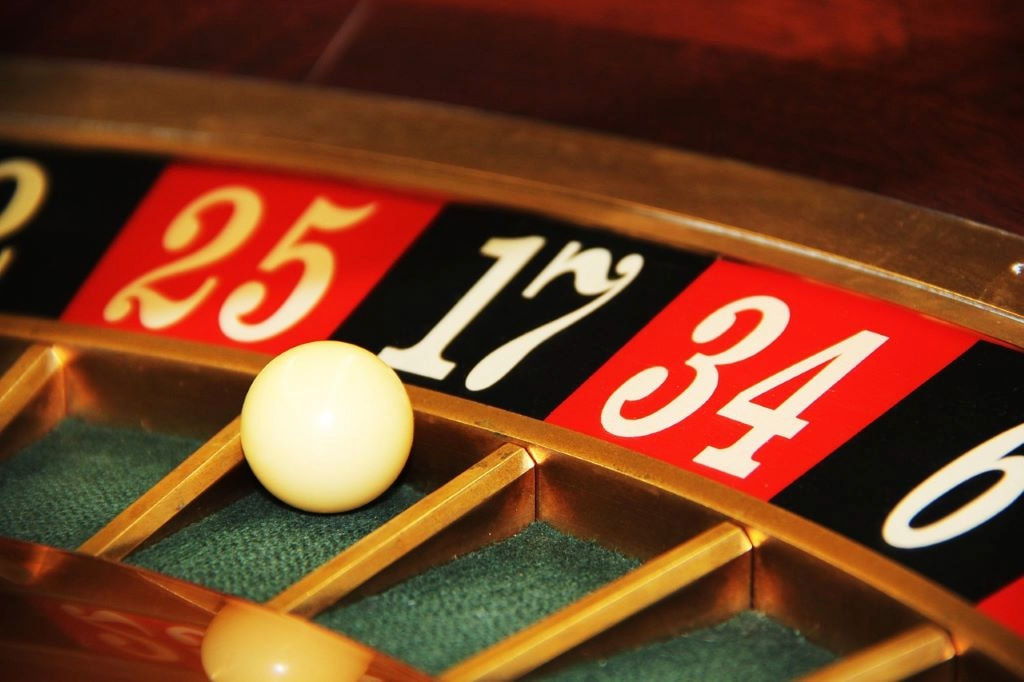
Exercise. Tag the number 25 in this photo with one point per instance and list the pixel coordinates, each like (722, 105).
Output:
(158, 311)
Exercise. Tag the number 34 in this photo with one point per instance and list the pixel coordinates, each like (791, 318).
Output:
(831, 365)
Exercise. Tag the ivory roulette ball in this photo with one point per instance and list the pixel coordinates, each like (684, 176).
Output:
(326, 426)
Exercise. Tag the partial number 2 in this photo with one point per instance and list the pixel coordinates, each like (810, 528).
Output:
(29, 191)
(831, 365)
(590, 269)
(159, 311)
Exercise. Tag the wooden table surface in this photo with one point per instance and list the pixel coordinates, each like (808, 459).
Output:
(920, 100)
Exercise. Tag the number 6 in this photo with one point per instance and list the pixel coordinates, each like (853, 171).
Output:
(992, 455)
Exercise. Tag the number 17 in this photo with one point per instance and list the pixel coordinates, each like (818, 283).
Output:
(590, 269)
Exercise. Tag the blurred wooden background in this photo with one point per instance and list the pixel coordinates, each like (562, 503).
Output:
(921, 100)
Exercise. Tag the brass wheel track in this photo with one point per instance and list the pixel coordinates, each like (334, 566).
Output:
(723, 551)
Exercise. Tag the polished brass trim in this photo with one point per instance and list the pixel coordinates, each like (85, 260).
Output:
(115, 341)
(898, 658)
(941, 265)
(23, 380)
(605, 607)
(33, 394)
(179, 488)
(970, 630)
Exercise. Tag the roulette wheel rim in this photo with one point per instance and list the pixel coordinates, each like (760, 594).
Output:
(856, 240)
(832, 234)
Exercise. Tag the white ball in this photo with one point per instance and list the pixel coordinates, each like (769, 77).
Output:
(327, 426)
(248, 643)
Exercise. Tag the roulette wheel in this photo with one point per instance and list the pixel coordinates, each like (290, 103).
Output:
(713, 339)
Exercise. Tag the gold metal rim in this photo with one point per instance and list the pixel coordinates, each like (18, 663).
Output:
(948, 267)
(941, 265)
(967, 630)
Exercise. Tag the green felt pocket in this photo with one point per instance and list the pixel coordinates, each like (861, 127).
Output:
(67, 485)
(748, 646)
(448, 613)
(257, 546)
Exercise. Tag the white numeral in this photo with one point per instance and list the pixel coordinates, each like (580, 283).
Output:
(159, 311)
(774, 319)
(589, 269)
(991, 456)
(29, 191)
(318, 270)
(832, 364)
(784, 421)
(425, 357)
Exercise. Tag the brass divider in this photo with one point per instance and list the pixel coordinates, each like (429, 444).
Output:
(182, 486)
(405, 532)
(26, 379)
(605, 607)
(912, 652)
